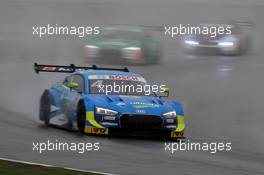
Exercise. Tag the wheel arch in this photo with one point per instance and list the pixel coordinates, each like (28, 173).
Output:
(178, 107)
(54, 100)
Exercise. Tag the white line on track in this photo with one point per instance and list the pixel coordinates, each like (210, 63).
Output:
(46, 165)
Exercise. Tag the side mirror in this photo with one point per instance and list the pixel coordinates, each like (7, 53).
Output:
(166, 92)
(72, 85)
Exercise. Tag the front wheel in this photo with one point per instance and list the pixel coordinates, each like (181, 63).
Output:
(81, 116)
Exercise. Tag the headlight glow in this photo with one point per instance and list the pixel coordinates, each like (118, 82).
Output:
(228, 41)
(190, 42)
(104, 111)
(132, 48)
(132, 53)
(91, 47)
(226, 44)
(171, 114)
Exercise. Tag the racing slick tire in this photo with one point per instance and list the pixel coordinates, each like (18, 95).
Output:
(46, 107)
(81, 114)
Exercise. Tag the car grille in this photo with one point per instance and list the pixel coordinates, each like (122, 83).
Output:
(208, 43)
(110, 53)
(141, 121)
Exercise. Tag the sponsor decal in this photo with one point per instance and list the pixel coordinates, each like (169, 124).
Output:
(144, 105)
(93, 130)
(177, 134)
(121, 77)
(121, 104)
(116, 77)
(50, 69)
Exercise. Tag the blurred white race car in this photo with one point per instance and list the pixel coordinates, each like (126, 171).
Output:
(234, 42)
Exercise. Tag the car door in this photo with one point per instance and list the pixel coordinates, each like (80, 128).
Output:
(70, 97)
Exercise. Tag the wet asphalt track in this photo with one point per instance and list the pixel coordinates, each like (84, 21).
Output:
(223, 96)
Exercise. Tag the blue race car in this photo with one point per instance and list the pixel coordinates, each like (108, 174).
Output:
(78, 103)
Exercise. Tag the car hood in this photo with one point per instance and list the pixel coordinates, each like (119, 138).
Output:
(132, 104)
(205, 38)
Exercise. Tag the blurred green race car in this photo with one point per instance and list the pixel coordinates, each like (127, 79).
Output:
(124, 45)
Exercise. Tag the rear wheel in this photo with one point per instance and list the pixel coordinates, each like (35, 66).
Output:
(46, 107)
(81, 115)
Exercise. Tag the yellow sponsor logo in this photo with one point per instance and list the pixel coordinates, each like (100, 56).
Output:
(93, 130)
(176, 134)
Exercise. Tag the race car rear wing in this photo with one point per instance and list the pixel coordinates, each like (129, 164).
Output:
(71, 68)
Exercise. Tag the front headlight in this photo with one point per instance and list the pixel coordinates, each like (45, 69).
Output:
(104, 111)
(191, 42)
(226, 44)
(132, 53)
(228, 41)
(91, 51)
(91, 47)
(132, 48)
(171, 114)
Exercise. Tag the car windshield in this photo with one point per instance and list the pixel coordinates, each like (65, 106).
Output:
(123, 34)
(130, 87)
